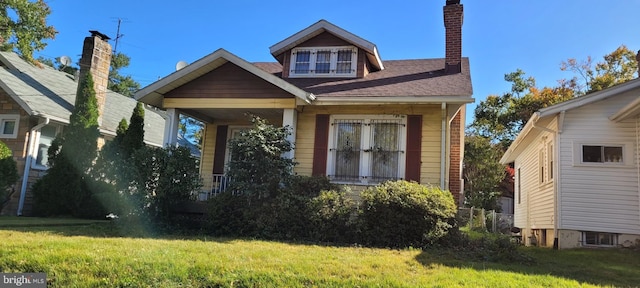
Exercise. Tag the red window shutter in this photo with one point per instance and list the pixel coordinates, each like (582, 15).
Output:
(221, 149)
(321, 145)
(414, 148)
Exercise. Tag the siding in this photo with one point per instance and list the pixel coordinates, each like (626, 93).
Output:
(206, 160)
(599, 198)
(430, 158)
(228, 81)
(535, 209)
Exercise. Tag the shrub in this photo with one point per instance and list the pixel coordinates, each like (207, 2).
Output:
(256, 165)
(403, 214)
(295, 211)
(8, 170)
(332, 217)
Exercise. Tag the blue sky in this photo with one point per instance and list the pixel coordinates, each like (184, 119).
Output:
(499, 36)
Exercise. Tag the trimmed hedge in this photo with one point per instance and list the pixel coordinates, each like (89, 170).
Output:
(404, 214)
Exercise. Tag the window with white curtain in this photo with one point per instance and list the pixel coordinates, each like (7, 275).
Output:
(46, 136)
(367, 148)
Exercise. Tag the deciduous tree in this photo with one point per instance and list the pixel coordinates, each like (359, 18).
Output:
(23, 26)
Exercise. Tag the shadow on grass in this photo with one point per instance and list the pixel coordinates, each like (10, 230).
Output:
(604, 267)
(102, 229)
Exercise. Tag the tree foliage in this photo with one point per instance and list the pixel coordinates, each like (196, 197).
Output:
(618, 67)
(68, 188)
(23, 26)
(8, 170)
(257, 165)
(119, 83)
(482, 173)
(56, 64)
(501, 117)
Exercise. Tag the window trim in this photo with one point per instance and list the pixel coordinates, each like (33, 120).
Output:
(4, 118)
(332, 63)
(365, 169)
(626, 151)
(34, 164)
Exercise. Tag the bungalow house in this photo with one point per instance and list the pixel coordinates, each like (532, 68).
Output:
(355, 118)
(576, 171)
(35, 105)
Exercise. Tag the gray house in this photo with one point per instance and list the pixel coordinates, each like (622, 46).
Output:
(35, 105)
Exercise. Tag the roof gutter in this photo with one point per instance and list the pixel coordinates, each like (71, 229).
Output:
(27, 165)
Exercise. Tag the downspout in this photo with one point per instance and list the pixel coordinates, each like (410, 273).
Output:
(27, 164)
(638, 153)
(443, 145)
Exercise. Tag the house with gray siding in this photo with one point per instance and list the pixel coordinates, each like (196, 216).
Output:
(35, 105)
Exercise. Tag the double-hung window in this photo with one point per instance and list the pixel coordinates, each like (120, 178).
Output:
(9, 125)
(323, 61)
(366, 148)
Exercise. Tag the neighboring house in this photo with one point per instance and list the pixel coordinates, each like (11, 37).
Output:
(35, 105)
(577, 172)
(355, 118)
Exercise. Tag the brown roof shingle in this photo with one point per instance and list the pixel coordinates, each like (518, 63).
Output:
(421, 77)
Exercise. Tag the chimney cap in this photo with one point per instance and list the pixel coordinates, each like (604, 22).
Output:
(102, 36)
(453, 2)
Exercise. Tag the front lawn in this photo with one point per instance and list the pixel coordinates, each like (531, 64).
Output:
(95, 256)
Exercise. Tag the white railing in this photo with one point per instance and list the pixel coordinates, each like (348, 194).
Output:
(220, 182)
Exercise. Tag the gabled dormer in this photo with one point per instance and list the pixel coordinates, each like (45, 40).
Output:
(324, 50)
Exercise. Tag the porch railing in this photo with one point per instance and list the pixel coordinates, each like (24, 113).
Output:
(220, 182)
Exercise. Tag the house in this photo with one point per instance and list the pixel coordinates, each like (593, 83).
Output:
(576, 171)
(355, 118)
(35, 105)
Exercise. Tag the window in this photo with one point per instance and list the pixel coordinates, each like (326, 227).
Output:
(602, 154)
(550, 155)
(366, 149)
(519, 188)
(323, 62)
(599, 238)
(9, 125)
(45, 138)
(542, 165)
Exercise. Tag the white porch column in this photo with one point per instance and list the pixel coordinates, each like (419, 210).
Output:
(171, 127)
(290, 118)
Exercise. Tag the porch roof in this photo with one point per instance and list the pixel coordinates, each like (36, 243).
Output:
(154, 93)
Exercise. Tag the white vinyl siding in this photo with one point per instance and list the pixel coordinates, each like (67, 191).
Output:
(535, 209)
(599, 197)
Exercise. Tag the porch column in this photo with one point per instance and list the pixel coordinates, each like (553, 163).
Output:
(171, 127)
(290, 118)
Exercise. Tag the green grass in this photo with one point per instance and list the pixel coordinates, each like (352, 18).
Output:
(93, 256)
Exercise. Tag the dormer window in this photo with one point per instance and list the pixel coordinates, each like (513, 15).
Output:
(324, 61)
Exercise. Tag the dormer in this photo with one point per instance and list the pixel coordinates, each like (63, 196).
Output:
(324, 50)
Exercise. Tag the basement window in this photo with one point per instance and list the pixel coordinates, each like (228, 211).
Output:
(599, 239)
(323, 61)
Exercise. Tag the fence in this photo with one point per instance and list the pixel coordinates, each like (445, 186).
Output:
(480, 219)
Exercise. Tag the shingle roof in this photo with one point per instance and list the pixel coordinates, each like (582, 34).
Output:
(48, 92)
(421, 77)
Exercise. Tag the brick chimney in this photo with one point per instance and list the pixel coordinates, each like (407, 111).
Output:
(96, 59)
(453, 40)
